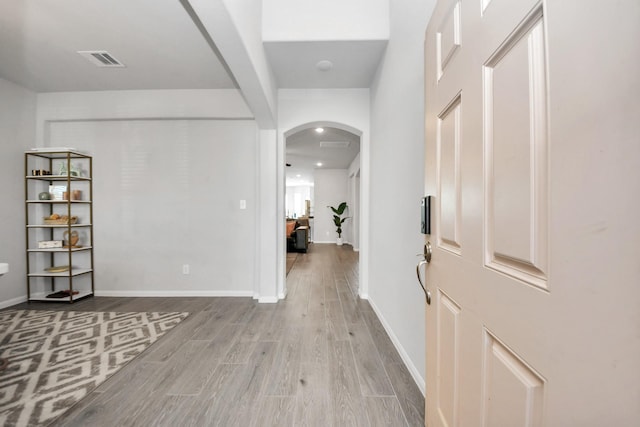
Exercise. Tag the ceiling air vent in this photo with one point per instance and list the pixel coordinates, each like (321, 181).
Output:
(334, 144)
(101, 58)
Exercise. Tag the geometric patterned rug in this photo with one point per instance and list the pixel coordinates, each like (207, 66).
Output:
(58, 357)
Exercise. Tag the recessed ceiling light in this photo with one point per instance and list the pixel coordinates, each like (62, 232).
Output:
(319, 164)
(298, 176)
(319, 130)
(324, 65)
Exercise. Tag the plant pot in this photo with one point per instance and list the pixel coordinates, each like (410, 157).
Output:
(339, 241)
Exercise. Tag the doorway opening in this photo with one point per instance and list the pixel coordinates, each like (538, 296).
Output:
(322, 169)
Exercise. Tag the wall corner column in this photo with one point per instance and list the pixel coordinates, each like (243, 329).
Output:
(266, 257)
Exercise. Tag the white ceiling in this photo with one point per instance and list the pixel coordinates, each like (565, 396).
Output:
(303, 152)
(156, 40)
(160, 45)
(354, 63)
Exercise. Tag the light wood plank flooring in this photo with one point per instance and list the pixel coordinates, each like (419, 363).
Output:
(318, 358)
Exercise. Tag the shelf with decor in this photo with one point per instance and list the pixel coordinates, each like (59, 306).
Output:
(59, 225)
(60, 250)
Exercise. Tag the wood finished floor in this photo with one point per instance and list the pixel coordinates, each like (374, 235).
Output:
(318, 358)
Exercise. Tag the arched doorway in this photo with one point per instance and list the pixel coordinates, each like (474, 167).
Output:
(336, 138)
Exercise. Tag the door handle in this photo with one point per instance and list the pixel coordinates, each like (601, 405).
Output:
(427, 294)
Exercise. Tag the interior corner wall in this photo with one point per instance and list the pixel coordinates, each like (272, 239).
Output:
(247, 20)
(267, 262)
(330, 189)
(167, 189)
(397, 183)
(17, 134)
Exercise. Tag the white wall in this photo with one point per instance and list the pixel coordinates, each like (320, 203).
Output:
(397, 182)
(330, 189)
(17, 134)
(326, 20)
(167, 189)
(299, 106)
(138, 104)
(166, 193)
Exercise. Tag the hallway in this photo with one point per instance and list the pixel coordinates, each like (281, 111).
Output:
(319, 358)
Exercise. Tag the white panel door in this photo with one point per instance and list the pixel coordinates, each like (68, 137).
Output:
(533, 156)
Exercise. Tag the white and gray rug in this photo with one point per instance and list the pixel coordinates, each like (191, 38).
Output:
(58, 357)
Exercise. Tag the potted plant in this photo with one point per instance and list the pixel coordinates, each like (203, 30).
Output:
(338, 220)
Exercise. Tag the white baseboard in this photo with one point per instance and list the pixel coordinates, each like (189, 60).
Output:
(13, 301)
(174, 294)
(403, 354)
(268, 300)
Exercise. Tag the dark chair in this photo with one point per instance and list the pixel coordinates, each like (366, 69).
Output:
(297, 237)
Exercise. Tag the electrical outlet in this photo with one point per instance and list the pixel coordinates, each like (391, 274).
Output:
(243, 204)
(185, 268)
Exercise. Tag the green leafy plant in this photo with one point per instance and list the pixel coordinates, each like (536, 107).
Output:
(337, 217)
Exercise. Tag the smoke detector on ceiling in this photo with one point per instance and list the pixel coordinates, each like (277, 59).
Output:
(101, 58)
(335, 144)
(324, 65)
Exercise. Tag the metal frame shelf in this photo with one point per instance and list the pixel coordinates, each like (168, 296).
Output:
(40, 258)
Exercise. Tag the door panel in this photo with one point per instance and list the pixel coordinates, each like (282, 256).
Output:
(512, 391)
(533, 156)
(448, 357)
(515, 136)
(449, 191)
(448, 38)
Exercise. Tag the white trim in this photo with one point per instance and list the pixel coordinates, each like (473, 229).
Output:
(268, 300)
(13, 301)
(403, 354)
(183, 293)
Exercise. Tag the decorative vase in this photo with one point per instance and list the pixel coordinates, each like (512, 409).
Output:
(44, 196)
(339, 241)
(70, 239)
